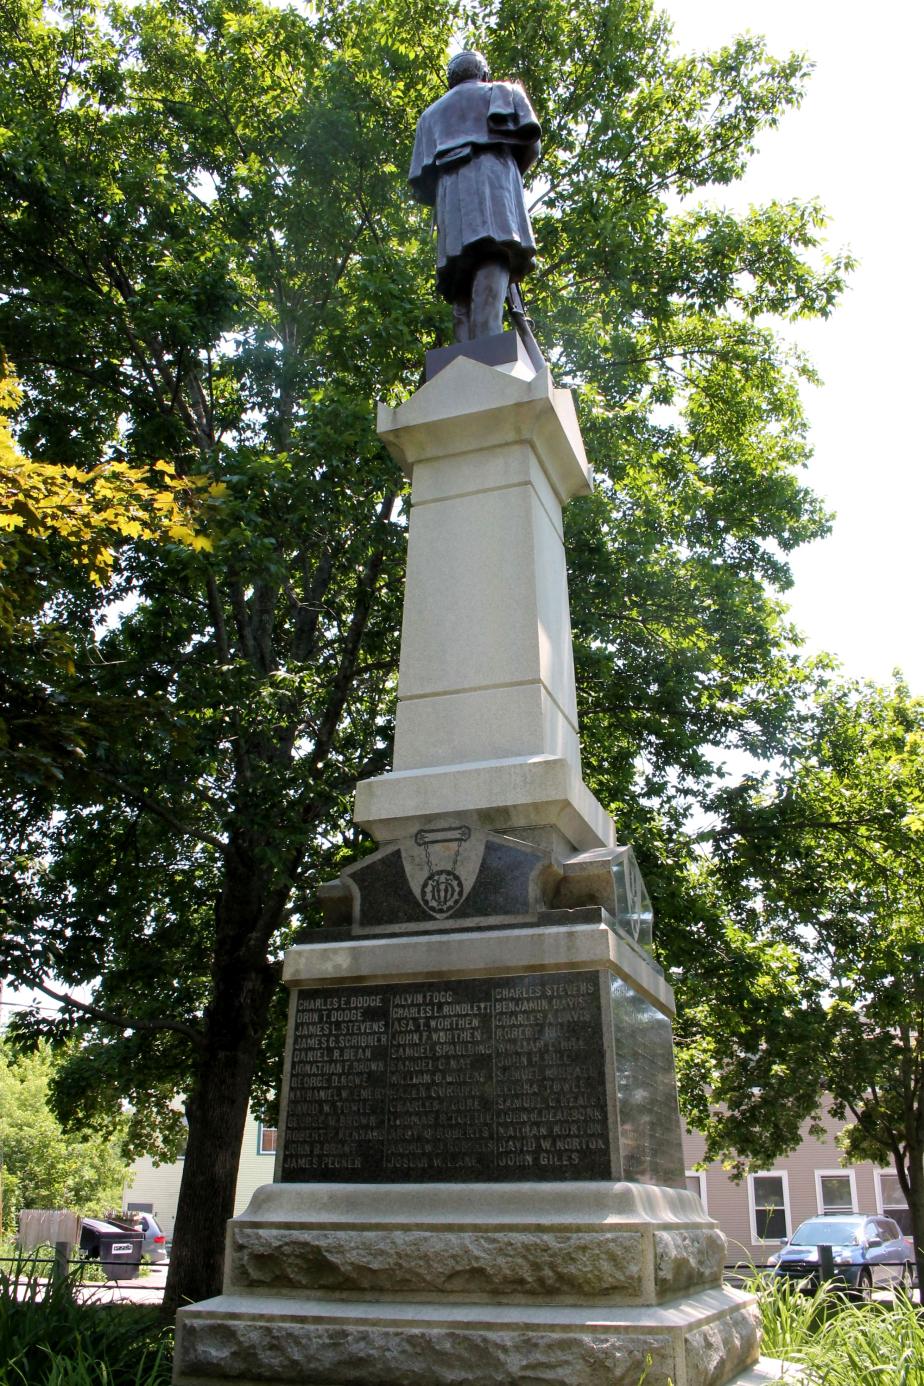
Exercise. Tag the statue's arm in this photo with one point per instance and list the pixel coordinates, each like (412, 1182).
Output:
(527, 128)
(422, 175)
(512, 120)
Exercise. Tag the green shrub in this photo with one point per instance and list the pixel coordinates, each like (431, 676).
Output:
(838, 1342)
(48, 1339)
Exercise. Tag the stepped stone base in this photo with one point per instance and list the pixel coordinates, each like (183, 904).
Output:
(566, 1284)
(701, 1341)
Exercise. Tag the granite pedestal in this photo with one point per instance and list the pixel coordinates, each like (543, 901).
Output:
(479, 1176)
(479, 1179)
(487, 713)
(569, 1284)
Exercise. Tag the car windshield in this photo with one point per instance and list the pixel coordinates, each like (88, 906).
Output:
(828, 1232)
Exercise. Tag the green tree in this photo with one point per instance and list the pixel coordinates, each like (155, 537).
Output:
(213, 259)
(829, 854)
(59, 523)
(42, 1166)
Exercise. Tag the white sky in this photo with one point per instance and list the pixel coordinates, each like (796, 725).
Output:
(855, 143)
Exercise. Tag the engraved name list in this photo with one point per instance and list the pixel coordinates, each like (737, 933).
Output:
(486, 1079)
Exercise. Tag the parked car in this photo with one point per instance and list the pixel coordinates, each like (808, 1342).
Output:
(154, 1246)
(868, 1251)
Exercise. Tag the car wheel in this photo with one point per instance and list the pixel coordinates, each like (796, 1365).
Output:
(905, 1281)
(865, 1287)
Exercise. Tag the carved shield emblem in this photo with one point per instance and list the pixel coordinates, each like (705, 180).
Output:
(441, 865)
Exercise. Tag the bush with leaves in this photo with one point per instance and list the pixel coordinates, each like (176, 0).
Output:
(49, 1338)
(44, 1167)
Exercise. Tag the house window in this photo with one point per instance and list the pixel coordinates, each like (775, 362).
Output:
(836, 1190)
(768, 1196)
(696, 1183)
(892, 1202)
(266, 1140)
(139, 1207)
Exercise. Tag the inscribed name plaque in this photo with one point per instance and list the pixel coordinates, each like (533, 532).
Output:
(500, 1078)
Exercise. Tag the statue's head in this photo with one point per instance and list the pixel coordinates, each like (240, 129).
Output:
(468, 66)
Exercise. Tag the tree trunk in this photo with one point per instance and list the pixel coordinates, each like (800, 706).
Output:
(915, 1196)
(217, 1112)
(216, 1107)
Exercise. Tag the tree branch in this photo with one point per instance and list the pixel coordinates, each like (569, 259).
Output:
(238, 748)
(119, 1022)
(308, 611)
(366, 588)
(147, 801)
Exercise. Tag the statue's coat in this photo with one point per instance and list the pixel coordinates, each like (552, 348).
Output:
(473, 145)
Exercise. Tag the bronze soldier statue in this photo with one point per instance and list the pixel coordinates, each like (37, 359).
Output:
(472, 148)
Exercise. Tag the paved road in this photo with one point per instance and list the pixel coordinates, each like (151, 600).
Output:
(147, 1289)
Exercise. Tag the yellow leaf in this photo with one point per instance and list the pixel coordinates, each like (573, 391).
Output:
(181, 532)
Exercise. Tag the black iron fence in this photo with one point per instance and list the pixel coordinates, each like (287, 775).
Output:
(63, 1266)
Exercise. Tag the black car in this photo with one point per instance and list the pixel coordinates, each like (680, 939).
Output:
(868, 1252)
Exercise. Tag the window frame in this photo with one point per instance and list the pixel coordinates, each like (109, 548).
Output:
(260, 1130)
(881, 1208)
(700, 1176)
(839, 1174)
(783, 1176)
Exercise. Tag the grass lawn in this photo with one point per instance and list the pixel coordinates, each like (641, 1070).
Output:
(841, 1343)
(49, 1339)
